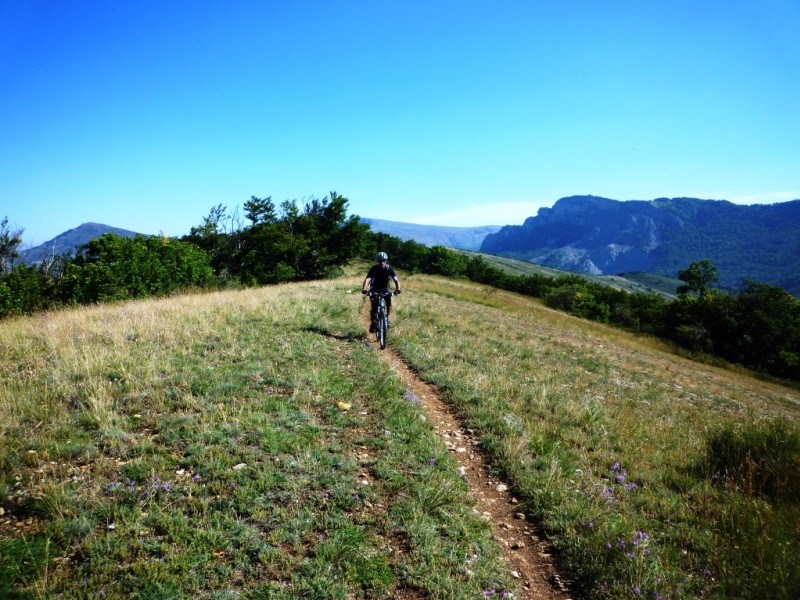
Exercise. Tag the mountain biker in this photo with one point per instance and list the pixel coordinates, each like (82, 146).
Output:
(377, 280)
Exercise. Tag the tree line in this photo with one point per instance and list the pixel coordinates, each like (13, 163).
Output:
(758, 326)
(268, 245)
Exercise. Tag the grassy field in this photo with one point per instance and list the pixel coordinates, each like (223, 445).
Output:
(655, 476)
(250, 444)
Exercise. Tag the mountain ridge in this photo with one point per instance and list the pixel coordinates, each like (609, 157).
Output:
(71, 240)
(461, 238)
(598, 236)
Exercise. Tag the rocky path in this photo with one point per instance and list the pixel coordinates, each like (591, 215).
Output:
(528, 555)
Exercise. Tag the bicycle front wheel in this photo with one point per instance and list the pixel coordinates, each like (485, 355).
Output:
(383, 330)
(381, 325)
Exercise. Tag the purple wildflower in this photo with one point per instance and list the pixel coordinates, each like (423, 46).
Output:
(412, 397)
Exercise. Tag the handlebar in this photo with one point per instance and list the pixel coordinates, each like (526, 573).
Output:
(382, 293)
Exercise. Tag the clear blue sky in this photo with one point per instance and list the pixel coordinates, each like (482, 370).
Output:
(144, 114)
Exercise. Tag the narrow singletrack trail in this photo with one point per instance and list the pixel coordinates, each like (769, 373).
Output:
(527, 553)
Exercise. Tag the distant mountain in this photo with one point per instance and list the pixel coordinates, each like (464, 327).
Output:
(588, 234)
(70, 240)
(463, 238)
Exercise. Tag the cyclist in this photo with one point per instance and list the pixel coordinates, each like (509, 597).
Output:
(377, 280)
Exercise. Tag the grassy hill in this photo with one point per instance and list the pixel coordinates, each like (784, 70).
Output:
(250, 444)
(631, 282)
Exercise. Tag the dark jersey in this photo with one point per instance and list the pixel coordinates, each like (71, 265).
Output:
(381, 276)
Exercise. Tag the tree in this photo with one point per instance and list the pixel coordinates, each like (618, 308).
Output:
(219, 236)
(308, 241)
(260, 210)
(698, 277)
(9, 243)
(769, 329)
(443, 261)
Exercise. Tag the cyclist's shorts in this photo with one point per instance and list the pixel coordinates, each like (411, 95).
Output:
(387, 297)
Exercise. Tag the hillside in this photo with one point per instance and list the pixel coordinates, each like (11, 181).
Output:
(463, 238)
(69, 241)
(252, 443)
(599, 236)
(631, 282)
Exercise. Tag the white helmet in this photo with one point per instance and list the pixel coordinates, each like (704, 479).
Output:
(381, 256)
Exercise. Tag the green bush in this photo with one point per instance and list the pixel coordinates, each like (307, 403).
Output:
(579, 301)
(25, 290)
(115, 268)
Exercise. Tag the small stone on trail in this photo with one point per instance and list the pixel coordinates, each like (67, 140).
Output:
(501, 487)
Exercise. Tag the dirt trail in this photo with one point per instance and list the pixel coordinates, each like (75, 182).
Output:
(528, 555)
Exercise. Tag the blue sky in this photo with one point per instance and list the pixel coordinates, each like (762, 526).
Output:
(144, 115)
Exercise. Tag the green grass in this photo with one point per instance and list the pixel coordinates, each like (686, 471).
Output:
(243, 444)
(250, 444)
(615, 444)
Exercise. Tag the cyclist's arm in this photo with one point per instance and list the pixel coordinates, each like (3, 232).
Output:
(364, 286)
(396, 284)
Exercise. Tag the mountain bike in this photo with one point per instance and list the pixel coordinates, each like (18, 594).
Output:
(381, 322)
